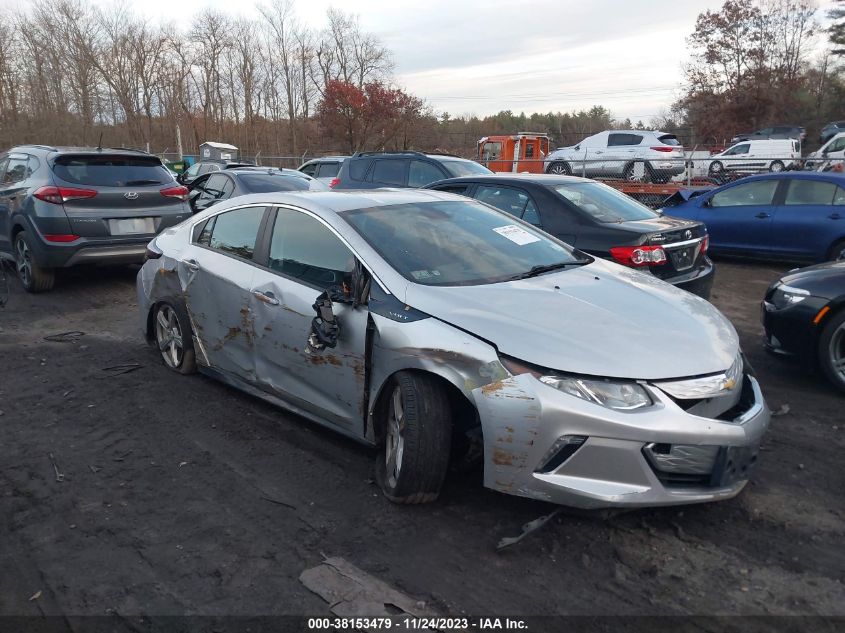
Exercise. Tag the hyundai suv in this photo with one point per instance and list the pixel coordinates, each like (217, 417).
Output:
(60, 207)
(374, 170)
(641, 155)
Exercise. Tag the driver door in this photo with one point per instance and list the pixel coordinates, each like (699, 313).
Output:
(304, 258)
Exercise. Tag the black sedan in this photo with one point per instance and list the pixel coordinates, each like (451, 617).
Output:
(222, 185)
(804, 317)
(601, 221)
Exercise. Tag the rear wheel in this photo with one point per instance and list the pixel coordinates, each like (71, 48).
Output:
(173, 338)
(561, 169)
(832, 350)
(837, 251)
(716, 167)
(34, 278)
(776, 166)
(414, 458)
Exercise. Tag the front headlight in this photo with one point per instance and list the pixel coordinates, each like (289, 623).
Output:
(785, 296)
(622, 396)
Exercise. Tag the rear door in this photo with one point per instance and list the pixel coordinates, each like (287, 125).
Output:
(621, 150)
(809, 219)
(737, 157)
(305, 257)
(220, 267)
(120, 197)
(739, 217)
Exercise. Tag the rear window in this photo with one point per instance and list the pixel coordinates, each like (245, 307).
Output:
(112, 171)
(265, 183)
(460, 168)
(602, 203)
(669, 139)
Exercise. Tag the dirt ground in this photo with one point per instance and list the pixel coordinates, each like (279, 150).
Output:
(169, 500)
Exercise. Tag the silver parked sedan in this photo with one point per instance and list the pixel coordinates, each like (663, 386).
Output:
(427, 324)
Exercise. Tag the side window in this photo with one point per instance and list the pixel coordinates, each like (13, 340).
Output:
(530, 214)
(839, 198)
(509, 200)
(810, 192)
(207, 168)
(328, 170)
(193, 170)
(616, 139)
(235, 232)
(491, 151)
(16, 169)
(310, 168)
(304, 248)
(747, 194)
(837, 146)
(215, 188)
(358, 168)
(738, 149)
(390, 172)
(422, 173)
(529, 150)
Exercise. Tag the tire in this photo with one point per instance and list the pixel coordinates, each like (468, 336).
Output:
(172, 336)
(716, 167)
(776, 167)
(414, 455)
(34, 278)
(559, 168)
(831, 351)
(628, 173)
(837, 251)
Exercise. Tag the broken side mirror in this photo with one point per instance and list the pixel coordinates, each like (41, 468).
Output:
(324, 328)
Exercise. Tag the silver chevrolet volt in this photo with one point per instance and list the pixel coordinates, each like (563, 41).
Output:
(433, 327)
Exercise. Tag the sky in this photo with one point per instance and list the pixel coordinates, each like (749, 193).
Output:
(483, 56)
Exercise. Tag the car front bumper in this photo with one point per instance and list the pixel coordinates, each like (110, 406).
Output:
(704, 459)
(790, 331)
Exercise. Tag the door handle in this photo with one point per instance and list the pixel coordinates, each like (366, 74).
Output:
(598, 152)
(192, 265)
(266, 297)
(762, 215)
(835, 216)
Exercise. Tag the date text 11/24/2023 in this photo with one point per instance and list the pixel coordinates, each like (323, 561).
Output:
(415, 623)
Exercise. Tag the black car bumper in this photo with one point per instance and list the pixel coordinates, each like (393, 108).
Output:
(790, 331)
(102, 252)
(698, 281)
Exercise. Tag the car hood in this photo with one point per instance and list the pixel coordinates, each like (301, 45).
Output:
(600, 319)
(822, 280)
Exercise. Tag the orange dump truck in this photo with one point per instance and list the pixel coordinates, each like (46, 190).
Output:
(521, 152)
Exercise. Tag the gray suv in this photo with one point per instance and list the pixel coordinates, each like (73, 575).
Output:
(61, 207)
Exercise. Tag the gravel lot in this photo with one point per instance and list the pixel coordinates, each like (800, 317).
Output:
(165, 508)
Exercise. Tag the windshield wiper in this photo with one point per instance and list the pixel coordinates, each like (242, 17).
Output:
(545, 268)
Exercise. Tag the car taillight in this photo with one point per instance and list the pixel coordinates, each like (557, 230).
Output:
(152, 251)
(334, 182)
(180, 192)
(639, 255)
(53, 237)
(665, 148)
(705, 244)
(58, 195)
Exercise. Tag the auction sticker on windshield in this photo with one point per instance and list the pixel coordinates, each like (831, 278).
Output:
(516, 234)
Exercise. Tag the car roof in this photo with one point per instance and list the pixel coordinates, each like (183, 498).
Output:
(74, 149)
(796, 175)
(503, 177)
(332, 158)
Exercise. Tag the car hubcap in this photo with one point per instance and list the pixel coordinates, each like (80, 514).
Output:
(23, 259)
(777, 167)
(837, 352)
(169, 336)
(716, 168)
(558, 169)
(394, 445)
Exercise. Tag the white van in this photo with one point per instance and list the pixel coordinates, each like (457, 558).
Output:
(833, 150)
(757, 155)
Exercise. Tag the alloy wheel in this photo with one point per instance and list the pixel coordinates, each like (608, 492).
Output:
(394, 445)
(23, 261)
(836, 352)
(169, 336)
(559, 169)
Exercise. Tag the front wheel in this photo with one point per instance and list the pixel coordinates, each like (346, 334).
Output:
(417, 430)
(34, 278)
(776, 166)
(173, 338)
(716, 167)
(832, 351)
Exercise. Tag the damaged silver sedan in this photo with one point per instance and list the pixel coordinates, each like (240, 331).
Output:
(432, 326)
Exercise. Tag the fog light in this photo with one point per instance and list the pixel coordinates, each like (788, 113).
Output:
(563, 448)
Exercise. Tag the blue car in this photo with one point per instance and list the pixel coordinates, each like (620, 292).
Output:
(790, 216)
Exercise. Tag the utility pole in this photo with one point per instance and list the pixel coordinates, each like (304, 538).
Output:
(179, 142)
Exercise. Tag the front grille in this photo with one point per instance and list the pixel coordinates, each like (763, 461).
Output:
(746, 401)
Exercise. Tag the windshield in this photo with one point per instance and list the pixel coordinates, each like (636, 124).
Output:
(604, 203)
(265, 183)
(454, 243)
(112, 171)
(460, 168)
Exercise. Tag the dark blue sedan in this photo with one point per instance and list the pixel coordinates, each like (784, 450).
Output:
(791, 216)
